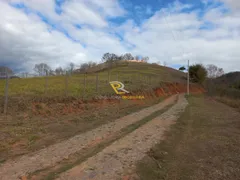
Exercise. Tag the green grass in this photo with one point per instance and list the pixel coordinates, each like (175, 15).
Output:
(203, 144)
(135, 75)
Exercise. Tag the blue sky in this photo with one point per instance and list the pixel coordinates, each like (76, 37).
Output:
(63, 31)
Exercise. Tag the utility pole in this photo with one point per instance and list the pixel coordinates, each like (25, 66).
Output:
(188, 80)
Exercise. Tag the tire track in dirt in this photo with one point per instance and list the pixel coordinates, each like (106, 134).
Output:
(118, 158)
(13, 169)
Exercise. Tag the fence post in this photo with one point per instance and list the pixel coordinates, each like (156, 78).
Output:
(6, 94)
(97, 82)
(85, 83)
(108, 75)
(46, 82)
(117, 76)
(66, 84)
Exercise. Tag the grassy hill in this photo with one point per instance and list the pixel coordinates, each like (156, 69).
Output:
(227, 85)
(231, 79)
(134, 75)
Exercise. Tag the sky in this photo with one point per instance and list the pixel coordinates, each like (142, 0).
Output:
(58, 32)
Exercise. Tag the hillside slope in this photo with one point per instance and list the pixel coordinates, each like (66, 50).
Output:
(226, 85)
(135, 76)
(231, 79)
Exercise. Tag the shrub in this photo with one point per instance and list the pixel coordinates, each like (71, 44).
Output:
(197, 73)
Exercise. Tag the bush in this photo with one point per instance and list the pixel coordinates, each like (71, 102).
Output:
(197, 73)
(182, 68)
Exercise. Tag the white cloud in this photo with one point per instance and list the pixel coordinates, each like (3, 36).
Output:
(219, 46)
(234, 4)
(78, 12)
(110, 8)
(25, 39)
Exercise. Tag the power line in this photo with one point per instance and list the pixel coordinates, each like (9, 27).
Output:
(183, 51)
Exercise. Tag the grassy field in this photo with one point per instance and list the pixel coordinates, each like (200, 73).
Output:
(235, 103)
(203, 144)
(23, 133)
(134, 75)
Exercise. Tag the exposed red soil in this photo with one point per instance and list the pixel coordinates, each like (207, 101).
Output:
(78, 106)
(54, 107)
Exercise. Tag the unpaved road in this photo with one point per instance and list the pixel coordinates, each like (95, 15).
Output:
(120, 157)
(13, 169)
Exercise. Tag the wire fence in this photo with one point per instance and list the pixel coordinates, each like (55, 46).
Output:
(84, 85)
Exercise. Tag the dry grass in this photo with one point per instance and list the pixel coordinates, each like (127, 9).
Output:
(203, 144)
(22, 133)
(235, 103)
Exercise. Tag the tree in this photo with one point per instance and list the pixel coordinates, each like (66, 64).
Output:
(51, 73)
(106, 57)
(91, 64)
(182, 68)
(145, 59)
(110, 58)
(137, 57)
(42, 69)
(214, 71)
(72, 66)
(127, 56)
(84, 66)
(197, 73)
(4, 71)
(59, 71)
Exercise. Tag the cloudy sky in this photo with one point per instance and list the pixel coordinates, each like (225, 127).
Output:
(58, 32)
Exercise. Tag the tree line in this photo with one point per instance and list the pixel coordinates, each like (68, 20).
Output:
(111, 57)
(43, 69)
(199, 73)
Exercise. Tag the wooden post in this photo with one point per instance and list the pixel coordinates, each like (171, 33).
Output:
(188, 80)
(97, 83)
(85, 83)
(66, 84)
(6, 93)
(46, 82)
(108, 75)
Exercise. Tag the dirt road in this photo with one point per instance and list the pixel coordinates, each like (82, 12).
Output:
(48, 157)
(117, 159)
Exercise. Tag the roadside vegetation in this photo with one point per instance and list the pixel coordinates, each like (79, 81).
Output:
(203, 144)
(23, 133)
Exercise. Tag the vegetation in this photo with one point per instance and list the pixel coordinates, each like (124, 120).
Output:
(5, 70)
(182, 68)
(203, 144)
(24, 134)
(232, 102)
(227, 85)
(213, 71)
(197, 73)
(42, 69)
(134, 75)
(111, 57)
